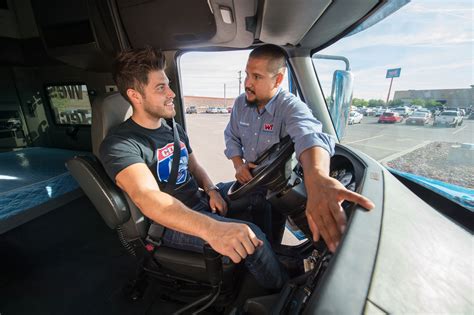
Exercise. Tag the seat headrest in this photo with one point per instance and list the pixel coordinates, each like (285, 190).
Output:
(107, 112)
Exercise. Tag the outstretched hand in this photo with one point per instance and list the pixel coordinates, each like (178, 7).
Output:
(324, 212)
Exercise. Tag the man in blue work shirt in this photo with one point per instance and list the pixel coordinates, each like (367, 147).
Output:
(266, 113)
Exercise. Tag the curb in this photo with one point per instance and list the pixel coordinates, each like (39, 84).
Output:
(404, 152)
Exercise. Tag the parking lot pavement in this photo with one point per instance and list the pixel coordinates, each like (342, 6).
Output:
(206, 133)
(383, 140)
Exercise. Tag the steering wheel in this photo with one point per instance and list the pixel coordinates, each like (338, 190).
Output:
(268, 173)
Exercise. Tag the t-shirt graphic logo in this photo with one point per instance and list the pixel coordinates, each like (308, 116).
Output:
(165, 162)
(268, 127)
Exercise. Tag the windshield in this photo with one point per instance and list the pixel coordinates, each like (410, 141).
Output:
(428, 47)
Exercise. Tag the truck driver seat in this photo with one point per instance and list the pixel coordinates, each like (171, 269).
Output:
(119, 213)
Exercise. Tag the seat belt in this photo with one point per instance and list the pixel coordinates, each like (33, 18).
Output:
(155, 232)
(171, 184)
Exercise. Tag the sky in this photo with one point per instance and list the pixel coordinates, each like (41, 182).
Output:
(431, 40)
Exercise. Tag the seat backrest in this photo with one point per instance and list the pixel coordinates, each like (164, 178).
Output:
(108, 112)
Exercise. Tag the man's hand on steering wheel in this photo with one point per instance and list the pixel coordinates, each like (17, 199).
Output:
(242, 172)
(326, 217)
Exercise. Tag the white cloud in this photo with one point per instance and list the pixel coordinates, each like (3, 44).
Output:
(457, 10)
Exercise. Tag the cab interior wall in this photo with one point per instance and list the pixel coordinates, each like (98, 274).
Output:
(27, 66)
(24, 86)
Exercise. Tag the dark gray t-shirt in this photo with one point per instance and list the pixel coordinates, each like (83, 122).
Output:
(130, 143)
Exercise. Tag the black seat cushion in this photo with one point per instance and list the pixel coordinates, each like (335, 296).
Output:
(190, 264)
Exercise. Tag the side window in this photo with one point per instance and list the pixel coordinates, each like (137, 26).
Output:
(70, 104)
(211, 81)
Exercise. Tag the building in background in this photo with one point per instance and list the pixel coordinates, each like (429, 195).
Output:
(462, 98)
(204, 102)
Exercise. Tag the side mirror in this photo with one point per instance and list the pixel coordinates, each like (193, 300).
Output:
(341, 100)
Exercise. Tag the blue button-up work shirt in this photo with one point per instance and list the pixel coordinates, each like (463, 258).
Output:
(250, 133)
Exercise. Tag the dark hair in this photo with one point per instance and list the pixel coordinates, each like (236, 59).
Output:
(132, 67)
(274, 53)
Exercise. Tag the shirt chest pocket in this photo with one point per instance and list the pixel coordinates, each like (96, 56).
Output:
(244, 130)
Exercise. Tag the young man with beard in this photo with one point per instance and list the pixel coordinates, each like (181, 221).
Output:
(266, 113)
(137, 155)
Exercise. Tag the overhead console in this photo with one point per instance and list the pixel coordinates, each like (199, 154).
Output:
(80, 33)
(188, 23)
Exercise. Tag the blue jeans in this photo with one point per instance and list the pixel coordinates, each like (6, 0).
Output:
(262, 264)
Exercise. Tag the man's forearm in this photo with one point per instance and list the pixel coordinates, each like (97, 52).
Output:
(171, 213)
(203, 180)
(237, 161)
(315, 162)
(199, 173)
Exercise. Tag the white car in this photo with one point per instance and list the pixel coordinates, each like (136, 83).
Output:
(212, 110)
(355, 118)
(449, 118)
(424, 110)
(403, 111)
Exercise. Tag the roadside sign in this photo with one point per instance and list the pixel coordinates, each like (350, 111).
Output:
(393, 73)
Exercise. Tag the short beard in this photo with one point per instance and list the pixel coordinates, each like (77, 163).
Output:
(251, 104)
(158, 114)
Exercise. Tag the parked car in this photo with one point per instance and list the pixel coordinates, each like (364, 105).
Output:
(390, 117)
(229, 109)
(403, 111)
(367, 111)
(355, 118)
(222, 110)
(191, 110)
(424, 110)
(418, 118)
(449, 118)
(212, 110)
(380, 111)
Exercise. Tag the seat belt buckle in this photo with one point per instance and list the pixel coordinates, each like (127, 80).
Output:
(151, 243)
(155, 232)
